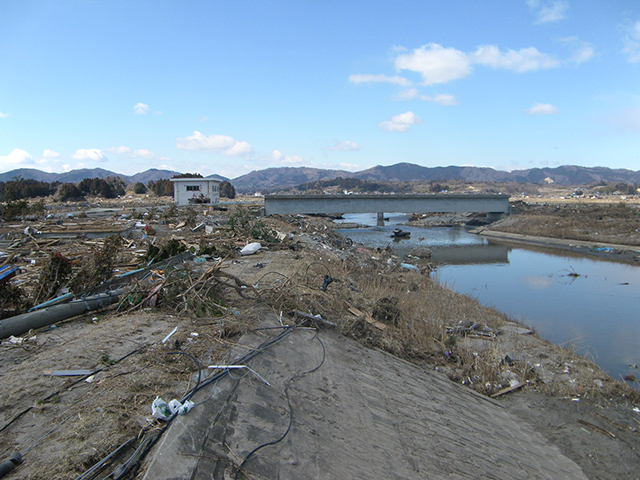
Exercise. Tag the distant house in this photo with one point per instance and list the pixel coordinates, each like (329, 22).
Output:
(194, 191)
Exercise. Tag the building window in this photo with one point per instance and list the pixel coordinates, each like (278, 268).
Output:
(193, 188)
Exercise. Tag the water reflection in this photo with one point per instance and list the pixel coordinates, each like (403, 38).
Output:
(591, 304)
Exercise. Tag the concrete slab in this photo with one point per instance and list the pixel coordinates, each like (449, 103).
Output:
(362, 414)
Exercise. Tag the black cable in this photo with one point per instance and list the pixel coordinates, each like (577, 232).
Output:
(133, 463)
(195, 360)
(286, 392)
(316, 263)
(269, 273)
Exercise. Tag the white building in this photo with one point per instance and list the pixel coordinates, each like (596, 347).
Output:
(194, 191)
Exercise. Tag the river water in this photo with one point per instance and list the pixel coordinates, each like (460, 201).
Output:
(589, 304)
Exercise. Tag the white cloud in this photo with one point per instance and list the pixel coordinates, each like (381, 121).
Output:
(203, 119)
(582, 51)
(632, 43)
(119, 150)
(400, 123)
(344, 146)
(435, 63)
(410, 94)
(144, 154)
(217, 143)
(552, 11)
(16, 159)
(50, 154)
(141, 108)
(4, 115)
(542, 109)
(289, 160)
(352, 167)
(93, 154)
(365, 78)
(445, 99)
(524, 60)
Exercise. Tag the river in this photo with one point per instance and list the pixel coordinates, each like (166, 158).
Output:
(589, 304)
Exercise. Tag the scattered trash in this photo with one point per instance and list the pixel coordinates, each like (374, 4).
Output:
(166, 339)
(7, 272)
(603, 249)
(160, 409)
(67, 373)
(409, 266)
(251, 248)
(180, 408)
(509, 389)
(326, 282)
(471, 329)
(367, 318)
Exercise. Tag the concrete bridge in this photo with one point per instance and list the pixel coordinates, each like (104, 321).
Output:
(495, 206)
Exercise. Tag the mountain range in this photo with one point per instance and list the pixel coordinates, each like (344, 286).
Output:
(271, 179)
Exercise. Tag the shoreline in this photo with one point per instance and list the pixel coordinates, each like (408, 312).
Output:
(616, 252)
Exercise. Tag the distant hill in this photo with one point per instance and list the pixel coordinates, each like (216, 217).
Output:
(271, 179)
(75, 176)
(402, 172)
(151, 175)
(220, 178)
(29, 174)
(575, 175)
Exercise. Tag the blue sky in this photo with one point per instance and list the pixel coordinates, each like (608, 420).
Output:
(229, 87)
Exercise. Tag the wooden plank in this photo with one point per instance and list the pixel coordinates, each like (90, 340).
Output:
(368, 318)
(597, 428)
(507, 390)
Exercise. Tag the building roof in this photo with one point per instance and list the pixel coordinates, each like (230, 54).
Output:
(194, 179)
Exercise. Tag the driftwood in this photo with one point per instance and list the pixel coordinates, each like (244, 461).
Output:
(597, 428)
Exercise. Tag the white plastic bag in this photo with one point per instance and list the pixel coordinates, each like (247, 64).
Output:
(160, 409)
(251, 248)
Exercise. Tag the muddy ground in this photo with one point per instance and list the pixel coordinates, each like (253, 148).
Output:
(66, 424)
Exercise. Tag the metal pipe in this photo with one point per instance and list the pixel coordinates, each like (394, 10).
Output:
(21, 324)
(9, 465)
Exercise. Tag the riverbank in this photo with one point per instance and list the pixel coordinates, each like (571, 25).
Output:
(214, 299)
(609, 251)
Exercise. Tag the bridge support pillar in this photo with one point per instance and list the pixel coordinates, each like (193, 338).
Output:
(380, 219)
(495, 216)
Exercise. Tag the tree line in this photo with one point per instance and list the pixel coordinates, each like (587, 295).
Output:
(110, 187)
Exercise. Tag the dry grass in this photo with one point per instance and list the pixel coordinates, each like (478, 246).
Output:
(610, 223)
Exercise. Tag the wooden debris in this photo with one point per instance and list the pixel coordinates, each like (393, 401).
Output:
(597, 428)
(621, 426)
(367, 318)
(508, 390)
